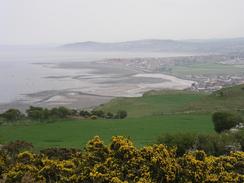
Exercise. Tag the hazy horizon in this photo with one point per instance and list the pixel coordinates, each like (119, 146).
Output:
(41, 22)
(160, 39)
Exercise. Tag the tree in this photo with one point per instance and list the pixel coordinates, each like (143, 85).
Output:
(98, 113)
(61, 112)
(84, 113)
(121, 114)
(12, 115)
(37, 113)
(109, 115)
(225, 121)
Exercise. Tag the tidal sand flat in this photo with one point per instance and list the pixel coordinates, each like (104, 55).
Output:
(73, 79)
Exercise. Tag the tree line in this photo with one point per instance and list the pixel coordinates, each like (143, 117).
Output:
(44, 114)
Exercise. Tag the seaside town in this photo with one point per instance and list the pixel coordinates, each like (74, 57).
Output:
(212, 80)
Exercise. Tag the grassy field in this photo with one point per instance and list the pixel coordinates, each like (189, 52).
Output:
(76, 133)
(174, 102)
(153, 103)
(155, 113)
(227, 99)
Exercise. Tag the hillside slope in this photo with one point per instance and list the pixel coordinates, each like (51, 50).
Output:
(153, 103)
(155, 113)
(230, 98)
(173, 102)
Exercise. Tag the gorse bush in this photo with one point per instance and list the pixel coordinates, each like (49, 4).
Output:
(121, 162)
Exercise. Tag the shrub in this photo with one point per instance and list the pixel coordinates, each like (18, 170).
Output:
(122, 162)
(12, 115)
(84, 113)
(109, 115)
(16, 147)
(93, 117)
(225, 121)
(239, 136)
(198, 167)
(98, 113)
(74, 112)
(59, 153)
(183, 141)
(217, 144)
(121, 114)
(212, 144)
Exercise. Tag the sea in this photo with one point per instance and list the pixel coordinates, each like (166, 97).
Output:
(28, 71)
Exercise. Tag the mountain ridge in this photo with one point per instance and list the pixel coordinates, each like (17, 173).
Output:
(158, 45)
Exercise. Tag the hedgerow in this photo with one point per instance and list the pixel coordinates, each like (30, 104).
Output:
(121, 162)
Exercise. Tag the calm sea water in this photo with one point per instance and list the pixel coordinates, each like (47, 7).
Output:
(21, 74)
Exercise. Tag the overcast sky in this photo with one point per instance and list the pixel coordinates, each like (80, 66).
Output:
(65, 21)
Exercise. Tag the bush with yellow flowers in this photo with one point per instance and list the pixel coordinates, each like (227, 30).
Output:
(121, 162)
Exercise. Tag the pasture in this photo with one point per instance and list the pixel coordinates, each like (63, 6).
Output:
(155, 113)
(76, 133)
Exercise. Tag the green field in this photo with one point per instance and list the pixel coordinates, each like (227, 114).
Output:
(174, 102)
(149, 116)
(75, 133)
(153, 103)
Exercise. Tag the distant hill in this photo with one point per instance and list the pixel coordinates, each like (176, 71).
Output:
(209, 45)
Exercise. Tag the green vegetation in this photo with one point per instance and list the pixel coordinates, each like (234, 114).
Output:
(118, 162)
(174, 102)
(225, 121)
(181, 123)
(212, 144)
(75, 133)
(227, 99)
(12, 115)
(47, 115)
(183, 141)
(153, 103)
(154, 114)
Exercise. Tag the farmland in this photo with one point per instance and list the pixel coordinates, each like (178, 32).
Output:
(75, 133)
(148, 117)
(155, 113)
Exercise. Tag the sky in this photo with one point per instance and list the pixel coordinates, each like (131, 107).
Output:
(67, 21)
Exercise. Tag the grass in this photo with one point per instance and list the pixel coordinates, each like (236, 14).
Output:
(76, 133)
(153, 103)
(155, 113)
(227, 99)
(174, 102)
